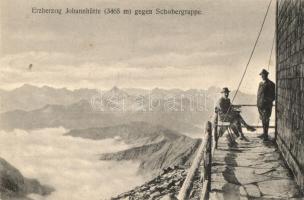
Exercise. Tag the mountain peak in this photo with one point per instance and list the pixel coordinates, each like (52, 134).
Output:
(46, 87)
(115, 91)
(26, 85)
(115, 88)
(26, 88)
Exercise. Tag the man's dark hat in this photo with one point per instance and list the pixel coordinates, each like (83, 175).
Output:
(225, 90)
(264, 71)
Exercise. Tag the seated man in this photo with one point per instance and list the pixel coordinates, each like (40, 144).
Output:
(227, 113)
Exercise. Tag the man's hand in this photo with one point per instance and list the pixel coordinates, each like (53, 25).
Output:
(236, 106)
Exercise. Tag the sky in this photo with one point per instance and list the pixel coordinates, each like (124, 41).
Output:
(100, 51)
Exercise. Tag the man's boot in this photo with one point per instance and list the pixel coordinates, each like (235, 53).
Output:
(240, 131)
(242, 136)
(250, 128)
(266, 131)
(264, 136)
(261, 136)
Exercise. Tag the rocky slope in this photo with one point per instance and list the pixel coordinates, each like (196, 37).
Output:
(155, 147)
(14, 186)
(164, 186)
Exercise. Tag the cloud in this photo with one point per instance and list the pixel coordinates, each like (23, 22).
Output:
(196, 70)
(203, 59)
(102, 51)
(69, 164)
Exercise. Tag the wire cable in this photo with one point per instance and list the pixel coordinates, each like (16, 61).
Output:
(252, 52)
(271, 52)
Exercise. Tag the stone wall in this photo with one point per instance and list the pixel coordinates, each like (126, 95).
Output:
(290, 84)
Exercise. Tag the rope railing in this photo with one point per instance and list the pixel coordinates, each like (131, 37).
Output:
(203, 158)
(252, 51)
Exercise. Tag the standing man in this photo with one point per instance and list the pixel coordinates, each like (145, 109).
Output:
(265, 98)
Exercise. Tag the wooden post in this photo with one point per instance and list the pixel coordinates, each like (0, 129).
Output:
(196, 163)
(209, 163)
(216, 133)
(208, 151)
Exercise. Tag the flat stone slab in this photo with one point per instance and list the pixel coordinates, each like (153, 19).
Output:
(252, 190)
(251, 169)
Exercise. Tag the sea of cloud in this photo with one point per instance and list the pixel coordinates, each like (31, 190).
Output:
(69, 164)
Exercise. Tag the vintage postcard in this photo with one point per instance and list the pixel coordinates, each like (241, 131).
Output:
(151, 99)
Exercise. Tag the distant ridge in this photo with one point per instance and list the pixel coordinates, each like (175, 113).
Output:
(156, 147)
(30, 97)
(31, 107)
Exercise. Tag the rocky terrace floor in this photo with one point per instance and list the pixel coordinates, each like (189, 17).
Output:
(251, 169)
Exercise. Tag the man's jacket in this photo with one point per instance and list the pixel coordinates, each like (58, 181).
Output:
(266, 94)
(223, 105)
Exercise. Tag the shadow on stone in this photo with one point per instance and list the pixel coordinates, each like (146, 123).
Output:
(232, 187)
